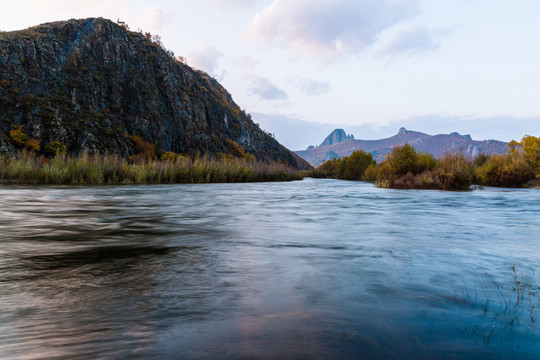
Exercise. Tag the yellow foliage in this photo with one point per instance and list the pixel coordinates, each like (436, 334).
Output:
(33, 145)
(144, 150)
(239, 151)
(21, 140)
(18, 136)
(170, 156)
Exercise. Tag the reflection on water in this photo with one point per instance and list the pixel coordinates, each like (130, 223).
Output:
(309, 269)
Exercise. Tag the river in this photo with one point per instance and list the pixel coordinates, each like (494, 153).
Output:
(312, 269)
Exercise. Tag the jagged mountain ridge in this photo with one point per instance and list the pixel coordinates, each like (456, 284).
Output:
(437, 145)
(91, 83)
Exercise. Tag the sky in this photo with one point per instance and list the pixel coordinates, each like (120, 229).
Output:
(302, 68)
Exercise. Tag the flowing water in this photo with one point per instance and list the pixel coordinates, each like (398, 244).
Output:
(314, 269)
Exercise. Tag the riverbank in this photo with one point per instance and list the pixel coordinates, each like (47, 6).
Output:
(111, 169)
(406, 168)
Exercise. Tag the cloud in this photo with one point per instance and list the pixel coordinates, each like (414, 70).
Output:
(233, 5)
(63, 8)
(150, 19)
(153, 20)
(326, 29)
(263, 88)
(411, 41)
(246, 61)
(311, 87)
(206, 58)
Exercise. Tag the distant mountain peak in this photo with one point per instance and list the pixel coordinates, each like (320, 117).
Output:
(340, 144)
(455, 133)
(335, 137)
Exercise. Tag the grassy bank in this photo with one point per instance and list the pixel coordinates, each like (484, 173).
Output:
(406, 168)
(111, 169)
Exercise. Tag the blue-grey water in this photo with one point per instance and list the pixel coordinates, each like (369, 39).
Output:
(314, 269)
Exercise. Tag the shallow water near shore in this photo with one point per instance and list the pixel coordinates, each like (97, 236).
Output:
(312, 269)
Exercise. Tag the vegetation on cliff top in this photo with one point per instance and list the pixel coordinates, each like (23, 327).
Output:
(406, 168)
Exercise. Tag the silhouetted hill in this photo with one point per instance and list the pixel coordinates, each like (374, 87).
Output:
(437, 145)
(91, 84)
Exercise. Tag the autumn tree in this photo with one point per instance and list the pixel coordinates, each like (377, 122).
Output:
(354, 166)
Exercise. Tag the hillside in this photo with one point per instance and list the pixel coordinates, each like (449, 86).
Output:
(91, 84)
(437, 145)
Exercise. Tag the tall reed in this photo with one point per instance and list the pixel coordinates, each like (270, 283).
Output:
(112, 169)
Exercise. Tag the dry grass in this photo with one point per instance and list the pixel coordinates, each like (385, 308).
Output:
(111, 169)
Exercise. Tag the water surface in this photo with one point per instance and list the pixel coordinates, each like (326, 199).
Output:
(311, 269)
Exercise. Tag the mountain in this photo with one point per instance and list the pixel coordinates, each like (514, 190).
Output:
(336, 136)
(437, 145)
(92, 84)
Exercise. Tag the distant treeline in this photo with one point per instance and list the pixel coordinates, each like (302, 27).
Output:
(86, 169)
(406, 168)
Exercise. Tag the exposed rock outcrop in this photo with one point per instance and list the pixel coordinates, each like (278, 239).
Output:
(91, 83)
(335, 137)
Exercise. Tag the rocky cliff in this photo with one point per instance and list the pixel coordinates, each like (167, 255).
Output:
(91, 84)
(335, 137)
(437, 145)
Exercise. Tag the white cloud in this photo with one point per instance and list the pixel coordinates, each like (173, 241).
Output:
(266, 90)
(69, 8)
(327, 29)
(233, 5)
(153, 20)
(311, 87)
(206, 58)
(246, 61)
(411, 41)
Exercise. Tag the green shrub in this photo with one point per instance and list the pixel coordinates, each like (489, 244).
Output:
(54, 148)
(530, 151)
(508, 170)
(453, 172)
(350, 167)
(402, 167)
(371, 173)
(354, 166)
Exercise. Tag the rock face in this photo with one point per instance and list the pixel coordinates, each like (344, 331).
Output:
(90, 84)
(437, 145)
(335, 137)
(330, 155)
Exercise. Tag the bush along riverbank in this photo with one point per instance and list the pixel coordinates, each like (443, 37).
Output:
(86, 169)
(406, 168)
